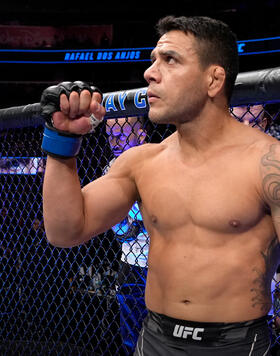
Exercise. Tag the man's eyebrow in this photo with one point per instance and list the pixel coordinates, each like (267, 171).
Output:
(165, 53)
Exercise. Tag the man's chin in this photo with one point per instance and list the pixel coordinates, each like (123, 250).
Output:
(157, 118)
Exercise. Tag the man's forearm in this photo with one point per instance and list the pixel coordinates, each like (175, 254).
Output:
(63, 203)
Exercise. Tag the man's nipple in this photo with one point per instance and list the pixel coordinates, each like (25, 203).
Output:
(154, 219)
(234, 223)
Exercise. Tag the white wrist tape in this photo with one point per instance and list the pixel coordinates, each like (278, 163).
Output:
(94, 122)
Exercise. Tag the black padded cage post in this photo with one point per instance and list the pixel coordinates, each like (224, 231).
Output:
(57, 301)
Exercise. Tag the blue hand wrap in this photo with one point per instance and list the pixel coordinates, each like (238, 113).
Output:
(55, 142)
(59, 144)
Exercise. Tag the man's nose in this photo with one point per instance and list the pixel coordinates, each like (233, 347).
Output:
(152, 73)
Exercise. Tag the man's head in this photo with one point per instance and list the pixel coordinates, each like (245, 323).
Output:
(251, 116)
(215, 43)
(196, 59)
(124, 133)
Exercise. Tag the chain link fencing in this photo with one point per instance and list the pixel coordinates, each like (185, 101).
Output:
(57, 301)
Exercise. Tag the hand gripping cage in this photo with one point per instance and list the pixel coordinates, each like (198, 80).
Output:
(63, 301)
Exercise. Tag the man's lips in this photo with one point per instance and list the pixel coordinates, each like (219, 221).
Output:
(152, 96)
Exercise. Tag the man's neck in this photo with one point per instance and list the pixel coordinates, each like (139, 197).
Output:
(205, 133)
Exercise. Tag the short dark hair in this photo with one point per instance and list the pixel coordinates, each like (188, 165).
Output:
(216, 43)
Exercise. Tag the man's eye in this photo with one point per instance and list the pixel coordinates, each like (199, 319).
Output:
(170, 60)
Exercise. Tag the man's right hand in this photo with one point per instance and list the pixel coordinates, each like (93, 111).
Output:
(70, 109)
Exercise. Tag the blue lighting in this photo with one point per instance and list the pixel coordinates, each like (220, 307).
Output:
(259, 46)
(118, 55)
(261, 39)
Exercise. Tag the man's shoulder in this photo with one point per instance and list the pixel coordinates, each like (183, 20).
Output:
(270, 147)
(263, 142)
(136, 156)
(262, 154)
(255, 139)
(143, 151)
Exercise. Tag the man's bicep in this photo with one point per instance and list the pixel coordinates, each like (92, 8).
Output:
(107, 201)
(270, 171)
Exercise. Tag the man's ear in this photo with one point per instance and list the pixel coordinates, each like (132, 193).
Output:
(216, 80)
(141, 135)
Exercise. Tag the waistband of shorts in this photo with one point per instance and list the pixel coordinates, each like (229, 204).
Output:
(202, 331)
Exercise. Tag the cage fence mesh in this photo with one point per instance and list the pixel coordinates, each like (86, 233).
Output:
(56, 301)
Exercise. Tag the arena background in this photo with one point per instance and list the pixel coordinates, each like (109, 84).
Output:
(62, 301)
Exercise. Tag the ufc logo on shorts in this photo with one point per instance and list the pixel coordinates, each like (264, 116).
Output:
(185, 331)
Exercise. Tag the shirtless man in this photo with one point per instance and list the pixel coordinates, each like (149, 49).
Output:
(208, 195)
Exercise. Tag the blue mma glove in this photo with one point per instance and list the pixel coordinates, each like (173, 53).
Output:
(56, 143)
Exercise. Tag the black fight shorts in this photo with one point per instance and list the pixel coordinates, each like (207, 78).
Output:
(165, 336)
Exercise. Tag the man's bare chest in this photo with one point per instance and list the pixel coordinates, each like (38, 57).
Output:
(213, 196)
